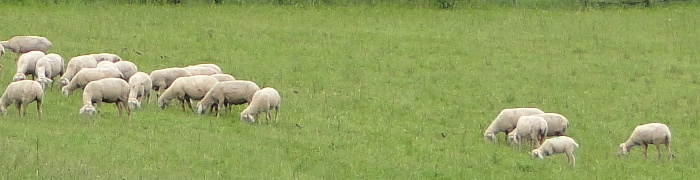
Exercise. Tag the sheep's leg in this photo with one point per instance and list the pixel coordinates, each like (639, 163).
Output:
(118, 108)
(658, 149)
(19, 109)
(644, 150)
(668, 149)
(268, 116)
(189, 104)
(219, 106)
(24, 109)
(38, 108)
(182, 103)
(277, 114)
(571, 158)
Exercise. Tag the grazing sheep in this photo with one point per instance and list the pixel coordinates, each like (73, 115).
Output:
(163, 78)
(213, 66)
(75, 64)
(47, 68)
(21, 93)
(557, 124)
(507, 120)
(264, 100)
(643, 135)
(108, 90)
(139, 89)
(26, 65)
(106, 57)
(530, 128)
(186, 89)
(199, 70)
(127, 68)
(556, 145)
(24, 44)
(87, 75)
(223, 77)
(228, 92)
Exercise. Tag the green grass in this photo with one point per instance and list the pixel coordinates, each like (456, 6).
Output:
(379, 93)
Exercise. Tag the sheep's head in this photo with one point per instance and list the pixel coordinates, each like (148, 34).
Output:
(19, 77)
(200, 108)
(162, 103)
(536, 153)
(489, 136)
(512, 137)
(64, 81)
(3, 110)
(88, 110)
(622, 150)
(134, 104)
(66, 92)
(248, 118)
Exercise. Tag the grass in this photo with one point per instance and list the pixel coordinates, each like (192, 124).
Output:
(368, 92)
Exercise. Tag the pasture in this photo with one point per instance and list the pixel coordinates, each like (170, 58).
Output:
(367, 92)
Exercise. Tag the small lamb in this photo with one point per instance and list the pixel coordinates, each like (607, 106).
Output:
(530, 128)
(26, 65)
(21, 93)
(264, 100)
(108, 90)
(24, 44)
(163, 78)
(47, 68)
(556, 145)
(186, 89)
(506, 121)
(645, 134)
(139, 89)
(74, 66)
(228, 92)
(223, 77)
(87, 75)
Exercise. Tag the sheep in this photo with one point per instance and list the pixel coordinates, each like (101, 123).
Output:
(26, 65)
(108, 90)
(507, 120)
(199, 70)
(228, 92)
(264, 100)
(529, 128)
(139, 88)
(643, 135)
(47, 68)
(106, 57)
(86, 75)
(223, 77)
(556, 145)
(75, 64)
(127, 68)
(21, 93)
(557, 124)
(24, 44)
(213, 66)
(163, 78)
(186, 89)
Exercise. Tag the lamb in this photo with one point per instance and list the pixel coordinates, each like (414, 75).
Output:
(163, 78)
(106, 57)
(556, 145)
(199, 70)
(213, 66)
(108, 90)
(24, 44)
(127, 68)
(186, 89)
(87, 75)
(264, 100)
(75, 64)
(139, 88)
(643, 135)
(21, 93)
(26, 65)
(557, 124)
(223, 77)
(228, 92)
(47, 68)
(507, 120)
(530, 128)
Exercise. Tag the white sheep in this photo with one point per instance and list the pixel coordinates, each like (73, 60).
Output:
(557, 124)
(139, 89)
(75, 64)
(163, 78)
(26, 65)
(200, 70)
(645, 134)
(556, 145)
(225, 93)
(507, 120)
(87, 75)
(186, 89)
(127, 68)
(21, 93)
(209, 65)
(108, 90)
(264, 100)
(530, 127)
(106, 57)
(223, 77)
(24, 44)
(47, 68)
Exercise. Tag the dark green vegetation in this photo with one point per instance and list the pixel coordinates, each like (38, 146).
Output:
(374, 92)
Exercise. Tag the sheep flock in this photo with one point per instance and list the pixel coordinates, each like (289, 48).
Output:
(107, 78)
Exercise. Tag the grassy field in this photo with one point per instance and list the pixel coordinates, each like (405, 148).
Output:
(368, 92)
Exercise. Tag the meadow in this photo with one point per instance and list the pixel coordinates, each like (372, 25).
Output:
(371, 92)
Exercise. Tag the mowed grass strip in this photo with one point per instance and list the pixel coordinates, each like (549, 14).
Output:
(368, 92)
